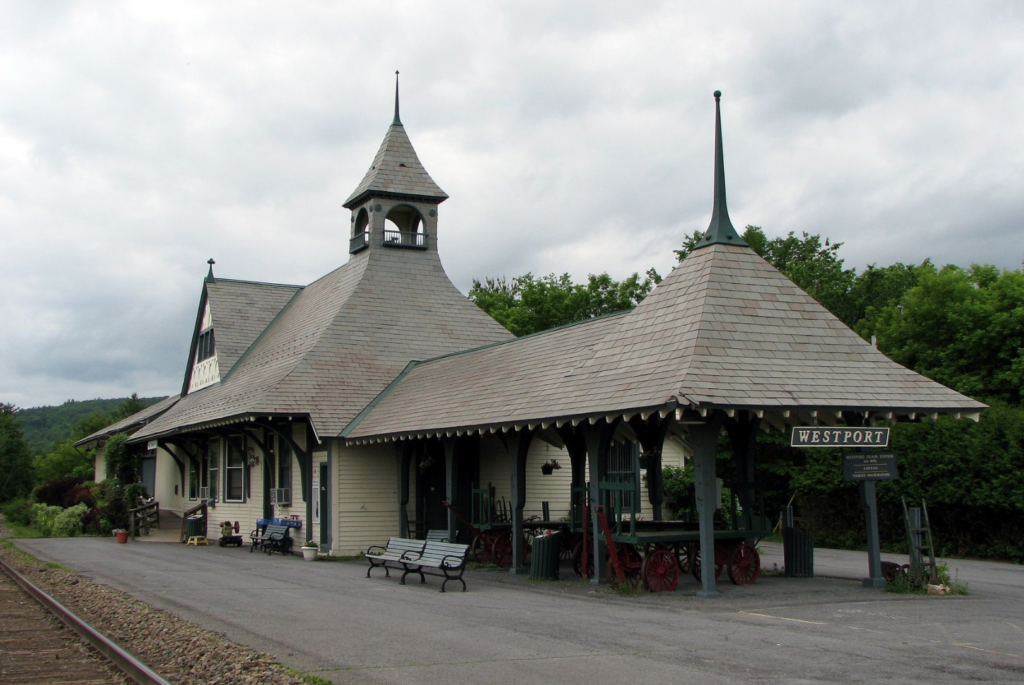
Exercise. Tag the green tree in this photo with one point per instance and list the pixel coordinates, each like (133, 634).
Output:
(529, 304)
(15, 459)
(64, 461)
(121, 465)
(961, 327)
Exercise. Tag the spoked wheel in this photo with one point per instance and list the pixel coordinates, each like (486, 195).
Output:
(661, 571)
(631, 563)
(683, 550)
(744, 565)
(501, 551)
(565, 552)
(480, 549)
(891, 571)
(578, 561)
(695, 565)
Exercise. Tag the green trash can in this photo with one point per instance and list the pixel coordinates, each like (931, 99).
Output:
(544, 558)
(193, 526)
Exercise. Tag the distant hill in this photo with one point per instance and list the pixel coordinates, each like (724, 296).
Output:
(44, 426)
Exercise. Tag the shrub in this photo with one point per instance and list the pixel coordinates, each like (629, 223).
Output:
(68, 523)
(54, 492)
(44, 516)
(80, 494)
(18, 512)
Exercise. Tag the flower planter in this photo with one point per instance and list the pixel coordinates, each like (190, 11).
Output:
(121, 538)
(547, 469)
(309, 553)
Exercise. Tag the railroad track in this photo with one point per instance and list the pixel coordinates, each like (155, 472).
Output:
(40, 642)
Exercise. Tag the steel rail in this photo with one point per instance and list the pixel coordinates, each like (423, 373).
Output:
(121, 658)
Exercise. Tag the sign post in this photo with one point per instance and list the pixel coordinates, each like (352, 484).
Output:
(862, 466)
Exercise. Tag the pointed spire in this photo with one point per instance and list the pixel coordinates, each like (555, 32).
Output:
(209, 275)
(397, 121)
(721, 230)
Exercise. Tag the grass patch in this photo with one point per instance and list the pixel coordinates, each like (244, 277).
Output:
(58, 567)
(308, 677)
(627, 590)
(474, 565)
(22, 532)
(906, 584)
(350, 557)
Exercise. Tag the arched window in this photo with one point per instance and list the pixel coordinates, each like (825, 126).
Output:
(404, 227)
(360, 231)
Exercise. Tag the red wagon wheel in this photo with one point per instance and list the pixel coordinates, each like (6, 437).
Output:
(744, 565)
(501, 551)
(695, 565)
(631, 563)
(661, 571)
(480, 549)
(683, 551)
(578, 561)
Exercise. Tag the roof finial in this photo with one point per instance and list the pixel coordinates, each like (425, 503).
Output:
(397, 121)
(721, 229)
(209, 276)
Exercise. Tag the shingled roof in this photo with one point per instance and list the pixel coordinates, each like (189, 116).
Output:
(396, 170)
(240, 311)
(724, 330)
(127, 424)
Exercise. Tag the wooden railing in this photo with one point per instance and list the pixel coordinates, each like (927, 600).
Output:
(143, 518)
(203, 511)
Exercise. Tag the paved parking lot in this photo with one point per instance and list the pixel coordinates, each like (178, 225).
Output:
(327, 618)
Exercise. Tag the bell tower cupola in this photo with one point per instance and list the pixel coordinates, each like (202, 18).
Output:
(395, 205)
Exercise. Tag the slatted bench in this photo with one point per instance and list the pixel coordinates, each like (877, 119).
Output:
(437, 535)
(393, 552)
(275, 537)
(442, 559)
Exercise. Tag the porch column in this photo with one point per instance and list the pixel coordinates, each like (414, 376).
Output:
(577, 449)
(651, 433)
(403, 457)
(598, 437)
(742, 432)
(705, 442)
(450, 483)
(517, 444)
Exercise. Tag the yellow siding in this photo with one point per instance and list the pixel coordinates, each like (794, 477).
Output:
(168, 476)
(556, 489)
(100, 474)
(367, 497)
(494, 467)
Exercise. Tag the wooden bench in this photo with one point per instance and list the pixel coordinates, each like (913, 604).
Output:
(393, 552)
(442, 559)
(273, 537)
(437, 535)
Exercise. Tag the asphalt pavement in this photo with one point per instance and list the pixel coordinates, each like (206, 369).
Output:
(327, 618)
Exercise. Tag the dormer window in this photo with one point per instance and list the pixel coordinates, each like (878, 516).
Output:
(205, 348)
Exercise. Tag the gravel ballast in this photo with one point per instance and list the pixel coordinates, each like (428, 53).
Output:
(180, 651)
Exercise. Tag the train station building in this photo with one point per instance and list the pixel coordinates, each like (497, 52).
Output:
(380, 401)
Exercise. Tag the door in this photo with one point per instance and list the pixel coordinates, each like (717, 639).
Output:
(324, 502)
(149, 476)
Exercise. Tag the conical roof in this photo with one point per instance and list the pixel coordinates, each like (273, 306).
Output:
(396, 170)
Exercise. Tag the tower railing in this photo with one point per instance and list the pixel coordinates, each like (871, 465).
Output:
(406, 239)
(359, 241)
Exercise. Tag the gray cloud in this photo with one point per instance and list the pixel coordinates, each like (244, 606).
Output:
(136, 141)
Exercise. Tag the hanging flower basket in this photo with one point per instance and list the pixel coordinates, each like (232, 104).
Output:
(548, 467)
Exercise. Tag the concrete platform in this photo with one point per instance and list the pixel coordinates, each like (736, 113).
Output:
(329, 619)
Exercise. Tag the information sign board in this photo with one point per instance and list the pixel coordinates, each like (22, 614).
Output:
(858, 466)
(824, 436)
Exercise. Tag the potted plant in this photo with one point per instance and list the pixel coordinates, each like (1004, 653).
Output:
(548, 467)
(309, 551)
(121, 534)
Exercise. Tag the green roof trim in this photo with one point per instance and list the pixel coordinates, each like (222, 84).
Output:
(720, 231)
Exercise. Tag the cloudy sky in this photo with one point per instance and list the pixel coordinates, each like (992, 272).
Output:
(137, 140)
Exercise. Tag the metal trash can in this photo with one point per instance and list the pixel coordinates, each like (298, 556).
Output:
(798, 552)
(544, 558)
(193, 526)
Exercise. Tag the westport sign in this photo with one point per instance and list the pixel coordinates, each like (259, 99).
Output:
(823, 436)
